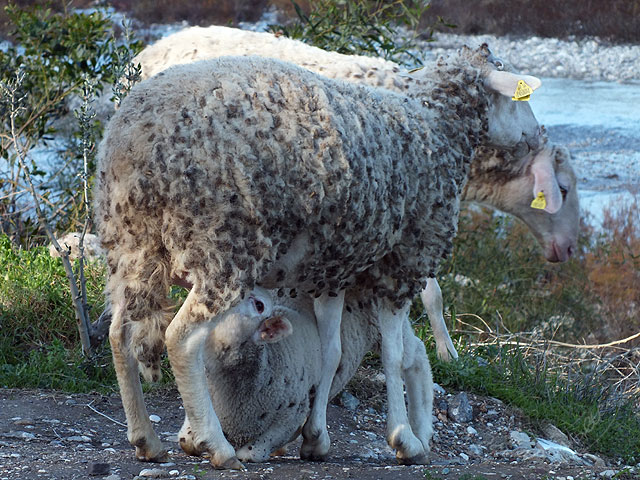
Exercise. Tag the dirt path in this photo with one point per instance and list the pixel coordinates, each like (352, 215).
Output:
(52, 435)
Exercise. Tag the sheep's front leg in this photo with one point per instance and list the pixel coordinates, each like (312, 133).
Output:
(185, 338)
(431, 297)
(409, 449)
(328, 312)
(419, 385)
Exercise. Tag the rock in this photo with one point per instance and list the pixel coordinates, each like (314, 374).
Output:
(98, 468)
(437, 389)
(24, 421)
(475, 450)
(79, 438)
(113, 476)
(464, 456)
(153, 473)
(348, 401)
(520, 440)
(608, 473)
(594, 460)
(472, 431)
(557, 453)
(554, 434)
(154, 418)
(460, 409)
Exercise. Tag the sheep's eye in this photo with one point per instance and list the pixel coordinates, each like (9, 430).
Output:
(564, 192)
(259, 305)
(499, 65)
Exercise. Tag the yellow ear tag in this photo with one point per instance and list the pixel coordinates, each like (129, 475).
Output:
(523, 92)
(539, 202)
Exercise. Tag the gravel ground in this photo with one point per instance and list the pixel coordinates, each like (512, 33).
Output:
(53, 435)
(582, 59)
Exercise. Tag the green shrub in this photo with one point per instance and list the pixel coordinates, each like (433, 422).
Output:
(35, 304)
(58, 53)
(362, 27)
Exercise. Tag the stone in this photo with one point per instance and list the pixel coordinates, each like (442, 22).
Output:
(460, 409)
(556, 435)
(96, 468)
(557, 453)
(438, 390)
(472, 431)
(608, 473)
(153, 473)
(154, 418)
(348, 401)
(475, 450)
(519, 439)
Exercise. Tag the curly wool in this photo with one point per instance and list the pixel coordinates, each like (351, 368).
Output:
(210, 171)
(204, 43)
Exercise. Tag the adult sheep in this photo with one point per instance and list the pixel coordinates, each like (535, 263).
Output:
(498, 179)
(276, 367)
(238, 172)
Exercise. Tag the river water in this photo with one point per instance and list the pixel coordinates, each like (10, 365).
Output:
(600, 123)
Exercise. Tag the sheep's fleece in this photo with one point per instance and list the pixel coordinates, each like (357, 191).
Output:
(229, 173)
(498, 178)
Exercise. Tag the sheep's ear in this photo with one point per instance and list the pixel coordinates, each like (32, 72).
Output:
(546, 192)
(507, 83)
(272, 330)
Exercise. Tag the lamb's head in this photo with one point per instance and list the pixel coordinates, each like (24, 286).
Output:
(253, 321)
(515, 187)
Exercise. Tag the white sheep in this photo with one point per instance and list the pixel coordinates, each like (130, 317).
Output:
(497, 179)
(238, 172)
(276, 372)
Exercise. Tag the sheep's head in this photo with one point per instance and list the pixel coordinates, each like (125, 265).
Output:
(511, 122)
(513, 187)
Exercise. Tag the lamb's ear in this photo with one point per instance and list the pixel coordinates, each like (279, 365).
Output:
(272, 330)
(546, 192)
(506, 83)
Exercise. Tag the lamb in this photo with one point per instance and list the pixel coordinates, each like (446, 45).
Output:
(239, 172)
(277, 370)
(497, 179)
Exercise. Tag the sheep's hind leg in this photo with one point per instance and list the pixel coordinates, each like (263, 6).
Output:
(431, 297)
(409, 449)
(328, 312)
(139, 429)
(419, 385)
(185, 338)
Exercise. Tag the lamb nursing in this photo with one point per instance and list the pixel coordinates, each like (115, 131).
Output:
(505, 180)
(243, 172)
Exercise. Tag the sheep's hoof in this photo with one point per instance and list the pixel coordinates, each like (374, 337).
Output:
(317, 451)
(229, 464)
(420, 459)
(189, 447)
(145, 456)
(150, 451)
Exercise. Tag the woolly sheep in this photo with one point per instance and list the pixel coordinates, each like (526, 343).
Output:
(277, 371)
(497, 178)
(321, 184)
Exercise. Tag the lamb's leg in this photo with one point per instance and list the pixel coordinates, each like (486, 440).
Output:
(139, 429)
(328, 312)
(185, 339)
(409, 449)
(432, 300)
(419, 385)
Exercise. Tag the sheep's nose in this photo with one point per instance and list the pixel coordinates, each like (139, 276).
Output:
(570, 250)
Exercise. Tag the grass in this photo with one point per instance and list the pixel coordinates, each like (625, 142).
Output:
(592, 394)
